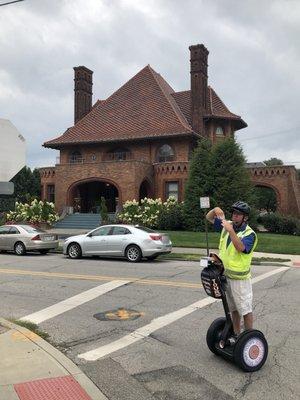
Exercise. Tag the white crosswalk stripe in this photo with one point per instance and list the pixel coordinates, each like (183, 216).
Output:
(159, 323)
(72, 302)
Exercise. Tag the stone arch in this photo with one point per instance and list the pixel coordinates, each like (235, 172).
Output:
(78, 195)
(275, 190)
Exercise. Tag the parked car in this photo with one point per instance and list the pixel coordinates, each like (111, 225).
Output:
(132, 242)
(23, 238)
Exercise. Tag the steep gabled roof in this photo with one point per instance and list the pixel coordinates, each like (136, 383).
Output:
(216, 108)
(142, 108)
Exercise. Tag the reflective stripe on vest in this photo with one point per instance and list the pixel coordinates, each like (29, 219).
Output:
(236, 263)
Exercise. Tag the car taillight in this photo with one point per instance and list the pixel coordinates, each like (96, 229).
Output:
(155, 237)
(37, 237)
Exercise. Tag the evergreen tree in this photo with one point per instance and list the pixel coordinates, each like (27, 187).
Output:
(198, 185)
(27, 185)
(273, 161)
(231, 180)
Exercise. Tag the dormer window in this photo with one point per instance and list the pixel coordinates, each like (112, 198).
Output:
(165, 153)
(219, 131)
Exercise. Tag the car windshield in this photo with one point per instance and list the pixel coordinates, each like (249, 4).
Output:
(31, 229)
(143, 228)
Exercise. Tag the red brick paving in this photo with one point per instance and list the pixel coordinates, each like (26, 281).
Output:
(62, 388)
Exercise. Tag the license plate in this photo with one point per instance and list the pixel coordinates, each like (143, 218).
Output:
(48, 238)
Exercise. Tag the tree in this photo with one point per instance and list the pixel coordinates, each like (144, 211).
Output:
(103, 211)
(198, 185)
(27, 185)
(273, 161)
(265, 198)
(231, 180)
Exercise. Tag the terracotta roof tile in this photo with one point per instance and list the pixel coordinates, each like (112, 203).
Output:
(216, 107)
(143, 107)
(146, 106)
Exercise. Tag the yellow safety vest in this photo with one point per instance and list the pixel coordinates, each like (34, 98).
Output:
(237, 264)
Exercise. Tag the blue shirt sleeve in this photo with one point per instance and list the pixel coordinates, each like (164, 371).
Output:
(218, 225)
(248, 242)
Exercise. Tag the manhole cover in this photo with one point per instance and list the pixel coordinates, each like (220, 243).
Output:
(121, 314)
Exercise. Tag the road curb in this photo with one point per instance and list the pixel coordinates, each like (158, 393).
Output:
(91, 389)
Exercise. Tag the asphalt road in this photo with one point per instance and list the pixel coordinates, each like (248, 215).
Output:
(136, 355)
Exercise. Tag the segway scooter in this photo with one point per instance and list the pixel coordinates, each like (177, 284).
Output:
(249, 350)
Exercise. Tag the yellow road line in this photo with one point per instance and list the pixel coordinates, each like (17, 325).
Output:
(100, 278)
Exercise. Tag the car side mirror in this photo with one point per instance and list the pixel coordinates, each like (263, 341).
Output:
(89, 235)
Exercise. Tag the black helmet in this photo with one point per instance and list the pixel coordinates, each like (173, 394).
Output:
(242, 207)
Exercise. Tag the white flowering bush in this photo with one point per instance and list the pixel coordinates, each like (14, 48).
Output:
(149, 212)
(35, 213)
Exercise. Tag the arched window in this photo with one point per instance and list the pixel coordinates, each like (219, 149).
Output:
(165, 153)
(118, 154)
(75, 157)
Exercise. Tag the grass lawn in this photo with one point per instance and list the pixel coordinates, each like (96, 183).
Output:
(197, 257)
(267, 242)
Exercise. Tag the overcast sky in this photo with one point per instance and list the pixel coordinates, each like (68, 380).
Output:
(254, 62)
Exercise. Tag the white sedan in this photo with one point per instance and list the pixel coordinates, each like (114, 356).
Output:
(132, 242)
(23, 238)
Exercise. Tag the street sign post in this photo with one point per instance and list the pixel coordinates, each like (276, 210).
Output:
(12, 154)
(205, 204)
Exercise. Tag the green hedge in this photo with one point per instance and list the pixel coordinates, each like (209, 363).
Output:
(276, 223)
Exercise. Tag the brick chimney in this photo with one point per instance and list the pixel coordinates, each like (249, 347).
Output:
(83, 79)
(198, 54)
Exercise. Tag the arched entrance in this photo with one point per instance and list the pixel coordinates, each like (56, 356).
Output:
(85, 197)
(145, 190)
(265, 198)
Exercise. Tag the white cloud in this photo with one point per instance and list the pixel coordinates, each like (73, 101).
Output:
(253, 63)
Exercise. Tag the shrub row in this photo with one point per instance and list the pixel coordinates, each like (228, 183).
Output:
(276, 223)
(152, 213)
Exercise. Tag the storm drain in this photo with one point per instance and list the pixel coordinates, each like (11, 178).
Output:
(120, 314)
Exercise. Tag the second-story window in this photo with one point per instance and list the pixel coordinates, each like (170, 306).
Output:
(75, 157)
(118, 154)
(165, 153)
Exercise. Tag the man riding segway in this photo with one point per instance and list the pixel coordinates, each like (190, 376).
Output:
(228, 278)
(237, 243)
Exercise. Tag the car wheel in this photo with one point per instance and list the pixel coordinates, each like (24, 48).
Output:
(20, 249)
(74, 250)
(151, 257)
(133, 253)
(44, 251)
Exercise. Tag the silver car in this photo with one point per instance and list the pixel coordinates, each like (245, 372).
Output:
(23, 238)
(132, 242)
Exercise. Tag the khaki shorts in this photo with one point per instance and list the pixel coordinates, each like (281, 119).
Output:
(239, 295)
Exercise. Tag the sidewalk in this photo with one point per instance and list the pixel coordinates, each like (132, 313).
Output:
(32, 369)
(295, 259)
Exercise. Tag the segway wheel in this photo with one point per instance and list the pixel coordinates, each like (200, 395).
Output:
(214, 332)
(251, 350)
